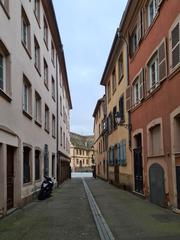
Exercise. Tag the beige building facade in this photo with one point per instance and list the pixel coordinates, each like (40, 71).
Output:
(31, 63)
(115, 80)
(100, 138)
(82, 153)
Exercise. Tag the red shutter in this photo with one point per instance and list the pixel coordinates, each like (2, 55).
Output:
(162, 61)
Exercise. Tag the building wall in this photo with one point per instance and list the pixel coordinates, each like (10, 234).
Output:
(100, 153)
(120, 133)
(157, 106)
(17, 128)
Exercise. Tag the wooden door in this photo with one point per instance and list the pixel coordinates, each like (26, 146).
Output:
(10, 177)
(138, 170)
(178, 185)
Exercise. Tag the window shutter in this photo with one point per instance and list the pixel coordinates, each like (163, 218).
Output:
(112, 148)
(175, 45)
(140, 25)
(123, 160)
(141, 87)
(128, 98)
(159, 2)
(162, 61)
(118, 153)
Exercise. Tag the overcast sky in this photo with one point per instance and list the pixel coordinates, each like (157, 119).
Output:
(87, 29)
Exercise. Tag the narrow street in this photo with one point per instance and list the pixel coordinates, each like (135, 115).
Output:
(67, 215)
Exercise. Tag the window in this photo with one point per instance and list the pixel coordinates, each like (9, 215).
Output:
(138, 89)
(64, 137)
(121, 108)
(26, 165)
(27, 96)
(61, 105)
(175, 46)
(53, 165)
(120, 67)
(77, 151)
(45, 73)
(45, 32)
(37, 9)
(153, 71)
(2, 72)
(77, 161)
(155, 140)
(46, 118)
(52, 52)
(53, 125)
(134, 41)
(36, 54)
(114, 80)
(121, 153)
(61, 136)
(37, 108)
(5, 5)
(37, 165)
(152, 11)
(4, 69)
(114, 120)
(25, 31)
(109, 91)
(53, 88)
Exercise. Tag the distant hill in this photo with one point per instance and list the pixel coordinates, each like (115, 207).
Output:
(80, 141)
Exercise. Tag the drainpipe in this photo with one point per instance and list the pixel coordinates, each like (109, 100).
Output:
(57, 118)
(121, 36)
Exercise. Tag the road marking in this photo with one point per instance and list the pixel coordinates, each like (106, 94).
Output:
(103, 229)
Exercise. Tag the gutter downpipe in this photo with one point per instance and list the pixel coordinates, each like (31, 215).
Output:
(121, 36)
(57, 123)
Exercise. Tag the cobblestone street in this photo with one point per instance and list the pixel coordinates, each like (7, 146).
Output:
(67, 215)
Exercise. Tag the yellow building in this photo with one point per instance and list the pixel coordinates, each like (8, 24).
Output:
(81, 151)
(100, 138)
(115, 80)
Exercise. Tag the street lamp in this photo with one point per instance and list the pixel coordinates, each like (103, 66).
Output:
(119, 122)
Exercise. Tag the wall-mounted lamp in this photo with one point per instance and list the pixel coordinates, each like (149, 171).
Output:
(119, 122)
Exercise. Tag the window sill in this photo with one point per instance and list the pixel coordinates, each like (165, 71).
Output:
(120, 79)
(156, 156)
(38, 123)
(28, 115)
(27, 184)
(53, 98)
(27, 50)
(174, 71)
(37, 69)
(46, 85)
(136, 105)
(5, 96)
(47, 130)
(46, 43)
(38, 180)
(153, 91)
(5, 10)
(37, 19)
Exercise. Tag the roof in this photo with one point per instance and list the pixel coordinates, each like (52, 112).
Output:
(80, 141)
(51, 17)
(97, 106)
(115, 41)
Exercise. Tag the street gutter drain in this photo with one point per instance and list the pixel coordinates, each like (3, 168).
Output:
(103, 229)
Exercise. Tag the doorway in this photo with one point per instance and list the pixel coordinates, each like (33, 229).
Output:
(138, 168)
(178, 185)
(10, 177)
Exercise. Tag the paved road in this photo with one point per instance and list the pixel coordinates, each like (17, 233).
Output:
(67, 216)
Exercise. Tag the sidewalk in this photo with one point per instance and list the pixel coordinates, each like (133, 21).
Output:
(64, 216)
(130, 217)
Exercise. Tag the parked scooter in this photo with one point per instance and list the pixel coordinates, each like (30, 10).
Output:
(46, 188)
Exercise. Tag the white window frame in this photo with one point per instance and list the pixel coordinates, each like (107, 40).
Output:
(153, 61)
(155, 10)
(176, 22)
(37, 107)
(3, 71)
(26, 97)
